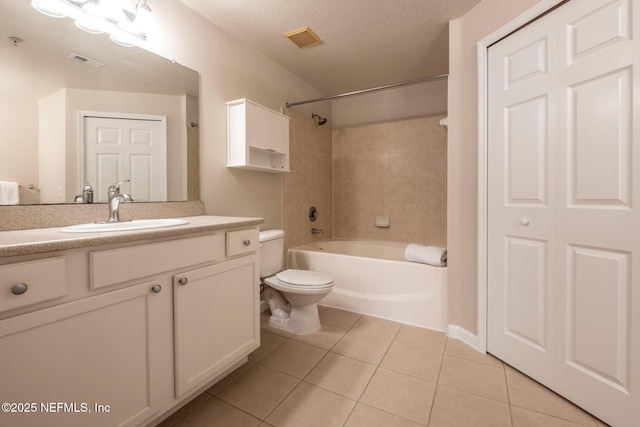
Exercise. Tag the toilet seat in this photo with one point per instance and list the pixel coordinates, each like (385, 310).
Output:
(304, 279)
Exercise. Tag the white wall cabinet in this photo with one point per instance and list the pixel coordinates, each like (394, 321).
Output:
(257, 137)
(123, 349)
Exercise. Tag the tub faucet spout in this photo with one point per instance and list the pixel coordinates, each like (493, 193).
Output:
(317, 231)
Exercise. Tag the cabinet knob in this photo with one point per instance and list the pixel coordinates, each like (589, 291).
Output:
(246, 242)
(156, 289)
(183, 281)
(525, 222)
(19, 288)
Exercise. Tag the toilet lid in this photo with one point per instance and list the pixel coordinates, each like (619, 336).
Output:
(304, 278)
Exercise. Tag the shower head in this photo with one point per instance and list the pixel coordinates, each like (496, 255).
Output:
(321, 120)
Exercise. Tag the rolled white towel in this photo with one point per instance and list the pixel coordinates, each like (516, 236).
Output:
(432, 255)
(9, 194)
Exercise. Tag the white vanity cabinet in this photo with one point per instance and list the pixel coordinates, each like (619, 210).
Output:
(120, 340)
(257, 137)
(215, 312)
(86, 362)
(215, 321)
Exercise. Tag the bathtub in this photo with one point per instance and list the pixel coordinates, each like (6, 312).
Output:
(373, 278)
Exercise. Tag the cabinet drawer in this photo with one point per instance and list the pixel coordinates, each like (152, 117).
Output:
(123, 264)
(242, 241)
(44, 279)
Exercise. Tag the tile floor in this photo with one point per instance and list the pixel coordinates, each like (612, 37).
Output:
(361, 371)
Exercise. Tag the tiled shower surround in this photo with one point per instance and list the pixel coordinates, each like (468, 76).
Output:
(396, 169)
(309, 182)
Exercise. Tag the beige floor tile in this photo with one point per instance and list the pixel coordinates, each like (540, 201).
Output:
(399, 394)
(366, 416)
(422, 337)
(215, 412)
(185, 410)
(526, 393)
(325, 338)
(375, 326)
(459, 349)
(268, 342)
(312, 406)
(525, 418)
(473, 377)
(259, 390)
(365, 348)
(294, 358)
(340, 318)
(342, 375)
(414, 361)
(229, 378)
(454, 408)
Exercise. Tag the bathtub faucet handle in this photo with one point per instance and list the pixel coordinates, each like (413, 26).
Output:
(317, 231)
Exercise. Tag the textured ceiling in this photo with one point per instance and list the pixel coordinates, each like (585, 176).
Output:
(367, 43)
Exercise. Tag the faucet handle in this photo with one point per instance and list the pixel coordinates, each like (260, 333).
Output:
(116, 187)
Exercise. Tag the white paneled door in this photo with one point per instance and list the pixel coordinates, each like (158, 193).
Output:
(563, 204)
(119, 148)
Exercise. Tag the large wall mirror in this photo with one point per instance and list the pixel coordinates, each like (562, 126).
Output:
(56, 76)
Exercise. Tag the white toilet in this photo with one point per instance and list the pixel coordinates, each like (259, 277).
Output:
(297, 311)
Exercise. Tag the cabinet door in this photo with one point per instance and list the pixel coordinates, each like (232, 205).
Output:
(279, 134)
(87, 362)
(216, 320)
(258, 126)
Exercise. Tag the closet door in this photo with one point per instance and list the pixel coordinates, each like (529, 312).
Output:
(522, 200)
(564, 188)
(598, 229)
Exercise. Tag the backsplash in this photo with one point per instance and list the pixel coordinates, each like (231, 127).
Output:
(395, 169)
(24, 217)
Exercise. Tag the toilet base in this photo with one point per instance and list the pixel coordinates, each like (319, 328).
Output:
(302, 320)
(299, 319)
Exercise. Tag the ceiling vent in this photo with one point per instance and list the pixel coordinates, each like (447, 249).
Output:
(84, 60)
(303, 37)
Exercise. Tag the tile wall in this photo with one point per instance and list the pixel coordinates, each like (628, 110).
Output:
(395, 169)
(309, 182)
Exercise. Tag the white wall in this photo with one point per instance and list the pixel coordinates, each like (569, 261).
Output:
(50, 159)
(19, 130)
(462, 178)
(400, 103)
(228, 70)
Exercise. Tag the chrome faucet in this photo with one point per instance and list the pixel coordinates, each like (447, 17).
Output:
(317, 231)
(115, 197)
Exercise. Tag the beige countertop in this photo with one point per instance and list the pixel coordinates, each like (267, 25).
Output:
(39, 240)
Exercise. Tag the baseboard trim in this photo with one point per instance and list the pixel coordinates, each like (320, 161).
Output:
(458, 332)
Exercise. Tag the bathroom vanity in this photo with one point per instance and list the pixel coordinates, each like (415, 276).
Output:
(120, 328)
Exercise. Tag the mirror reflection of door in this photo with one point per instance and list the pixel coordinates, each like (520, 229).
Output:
(117, 148)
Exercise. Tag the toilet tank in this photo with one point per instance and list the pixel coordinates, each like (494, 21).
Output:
(271, 252)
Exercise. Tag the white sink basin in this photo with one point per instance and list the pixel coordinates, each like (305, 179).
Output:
(138, 224)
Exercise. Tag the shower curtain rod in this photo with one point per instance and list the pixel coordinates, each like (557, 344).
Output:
(373, 89)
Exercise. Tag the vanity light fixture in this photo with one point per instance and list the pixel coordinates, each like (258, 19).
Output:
(114, 17)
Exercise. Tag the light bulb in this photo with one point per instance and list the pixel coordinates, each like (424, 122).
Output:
(143, 19)
(123, 40)
(111, 10)
(48, 7)
(90, 24)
